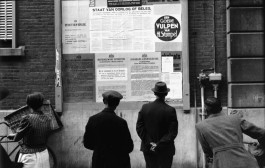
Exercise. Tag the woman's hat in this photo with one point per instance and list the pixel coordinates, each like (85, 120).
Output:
(160, 87)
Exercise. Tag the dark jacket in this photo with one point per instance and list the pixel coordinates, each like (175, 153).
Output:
(109, 137)
(157, 122)
(5, 161)
(221, 137)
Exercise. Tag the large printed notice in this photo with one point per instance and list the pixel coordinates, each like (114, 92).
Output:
(131, 74)
(75, 27)
(121, 29)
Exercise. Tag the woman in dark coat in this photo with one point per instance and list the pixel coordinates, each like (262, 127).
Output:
(108, 136)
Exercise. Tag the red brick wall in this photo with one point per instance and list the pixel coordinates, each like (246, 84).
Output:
(201, 40)
(35, 70)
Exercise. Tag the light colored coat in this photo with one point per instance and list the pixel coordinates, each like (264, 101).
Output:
(221, 137)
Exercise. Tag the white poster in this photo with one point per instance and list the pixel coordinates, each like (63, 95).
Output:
(75, 27)
(167, 64)
(110, 74)
(131, 74)
(174, 82)
(121, 29)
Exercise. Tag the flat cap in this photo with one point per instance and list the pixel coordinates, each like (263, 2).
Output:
(213, 103)
(112, 94)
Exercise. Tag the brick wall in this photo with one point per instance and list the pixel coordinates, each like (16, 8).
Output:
(201, 40)
(35, 70)
(35, 30)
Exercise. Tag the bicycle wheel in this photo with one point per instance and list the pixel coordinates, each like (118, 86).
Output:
(52, 158)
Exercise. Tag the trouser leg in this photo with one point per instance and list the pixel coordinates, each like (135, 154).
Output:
(151, 160)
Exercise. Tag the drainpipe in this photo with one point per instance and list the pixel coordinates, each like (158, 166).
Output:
(214, 45)
(58, 56)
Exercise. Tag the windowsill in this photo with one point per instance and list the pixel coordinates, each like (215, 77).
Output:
(12, 51)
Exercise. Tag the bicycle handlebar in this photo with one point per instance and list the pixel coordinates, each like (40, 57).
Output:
(5, 123)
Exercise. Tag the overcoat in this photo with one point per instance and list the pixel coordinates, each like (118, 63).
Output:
(157, 122)
(221, 137)
(108, 136)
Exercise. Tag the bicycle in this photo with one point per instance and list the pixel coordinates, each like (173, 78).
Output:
(4, 139)
(12, 122)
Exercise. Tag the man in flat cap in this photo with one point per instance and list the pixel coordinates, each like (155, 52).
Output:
(157, 127)
(108, 135)
(221, 137)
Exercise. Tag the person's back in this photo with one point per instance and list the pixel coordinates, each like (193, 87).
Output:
(157, 126)
(108, 135)
(32, 134)
(221, 130)
(221, 137)
(158, 117)
(36, 138)
(111, 132)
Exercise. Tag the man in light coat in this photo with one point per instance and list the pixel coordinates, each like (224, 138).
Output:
(157, 126)
(221, 137)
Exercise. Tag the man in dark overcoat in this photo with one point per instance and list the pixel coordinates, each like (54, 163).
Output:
(221, 137)
(108, 135)
(157, 127)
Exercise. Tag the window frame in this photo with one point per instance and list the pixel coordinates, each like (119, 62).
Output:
(13, 50)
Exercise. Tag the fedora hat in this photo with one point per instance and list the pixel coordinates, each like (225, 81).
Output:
(160, 87)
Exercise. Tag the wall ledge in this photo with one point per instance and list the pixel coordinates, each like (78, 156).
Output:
(20, 51)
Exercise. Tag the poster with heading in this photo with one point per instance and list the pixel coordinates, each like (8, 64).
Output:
(131, 74)
(75, 27)
(121, 29)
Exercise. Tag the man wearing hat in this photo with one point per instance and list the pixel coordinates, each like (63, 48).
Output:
(157, 126)
(221, 137)
(108, 135)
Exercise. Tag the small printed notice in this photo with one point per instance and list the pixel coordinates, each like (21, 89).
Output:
(75, 27)
(174, 82)
(107, 74)
(167, 64)
(131, 74)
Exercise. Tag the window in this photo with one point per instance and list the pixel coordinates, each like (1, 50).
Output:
(7, 19)
(7, 30)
